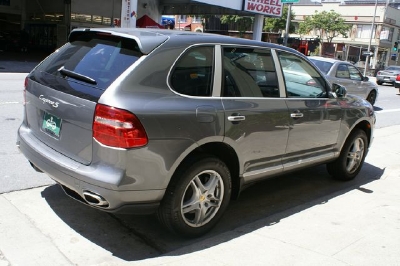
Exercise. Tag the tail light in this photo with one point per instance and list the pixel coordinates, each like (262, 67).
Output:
(311, 82)
(398, 77)
(379, 73)
(118, 128)
(25, 86)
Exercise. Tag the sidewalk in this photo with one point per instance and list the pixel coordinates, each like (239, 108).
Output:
(359, 226)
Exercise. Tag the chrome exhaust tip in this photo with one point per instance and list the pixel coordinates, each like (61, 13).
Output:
(35, 167)
(95, 199)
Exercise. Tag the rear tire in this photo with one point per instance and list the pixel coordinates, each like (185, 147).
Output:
(379, 82)
(196, 198)
(351, 158)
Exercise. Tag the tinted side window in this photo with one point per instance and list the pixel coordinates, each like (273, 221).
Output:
(193, 72)
(355, 73)
(342, 72)
(301, 78)
(249, 72)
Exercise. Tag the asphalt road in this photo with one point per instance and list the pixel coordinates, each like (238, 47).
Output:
(387, 107)
(15, 173)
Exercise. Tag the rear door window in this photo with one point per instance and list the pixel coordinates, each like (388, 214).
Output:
(249, 72)
(193, 72)
(342, 72)
(98, 57)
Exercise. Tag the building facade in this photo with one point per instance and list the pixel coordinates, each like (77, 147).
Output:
(385, 27)
(48, 22)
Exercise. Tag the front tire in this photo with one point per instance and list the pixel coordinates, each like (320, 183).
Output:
(351, 158)
(372, 97)
(196, 198)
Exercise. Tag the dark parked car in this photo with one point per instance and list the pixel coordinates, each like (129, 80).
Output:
(388, 75)
(178, 123)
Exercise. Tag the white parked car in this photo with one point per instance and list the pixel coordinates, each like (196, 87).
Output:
(348, 75)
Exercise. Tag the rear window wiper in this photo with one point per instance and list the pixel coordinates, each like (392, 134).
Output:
(77, 76)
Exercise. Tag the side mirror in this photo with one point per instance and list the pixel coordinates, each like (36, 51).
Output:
(339, 90)
(365, 79)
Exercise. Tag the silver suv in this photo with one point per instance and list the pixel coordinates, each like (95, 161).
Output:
(178, 123)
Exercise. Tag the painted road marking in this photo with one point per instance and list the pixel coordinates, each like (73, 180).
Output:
(388, 111)
(4, 103)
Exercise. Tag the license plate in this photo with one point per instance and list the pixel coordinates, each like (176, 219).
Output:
(386, 78)
(51, 124)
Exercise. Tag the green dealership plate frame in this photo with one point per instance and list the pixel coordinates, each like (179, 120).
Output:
(51, 124)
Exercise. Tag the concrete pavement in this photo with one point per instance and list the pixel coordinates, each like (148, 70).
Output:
(359, 226)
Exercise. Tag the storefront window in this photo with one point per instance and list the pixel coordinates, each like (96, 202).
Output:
(196, 19)
(4, 2)
(387, 33)
(182, 18)
(364, 31)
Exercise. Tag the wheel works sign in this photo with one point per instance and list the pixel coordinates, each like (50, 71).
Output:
(265, 7)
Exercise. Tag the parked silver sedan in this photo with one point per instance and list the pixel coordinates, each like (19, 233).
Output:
(388, 75)
(348, 75)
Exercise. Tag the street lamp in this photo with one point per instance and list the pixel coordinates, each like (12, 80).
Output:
(370, 40)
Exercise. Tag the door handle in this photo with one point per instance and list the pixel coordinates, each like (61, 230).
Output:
(296, 115)
(236, 118)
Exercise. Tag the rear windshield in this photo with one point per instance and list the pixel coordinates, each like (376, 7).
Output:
(95, 59)
(323, 66)
(393, 68)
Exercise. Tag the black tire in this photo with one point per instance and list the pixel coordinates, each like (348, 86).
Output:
(379, 82)
(204, 209)
(351, 158)
(371, 97)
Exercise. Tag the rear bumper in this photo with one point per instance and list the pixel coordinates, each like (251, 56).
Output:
(383, 80)
(64, 171)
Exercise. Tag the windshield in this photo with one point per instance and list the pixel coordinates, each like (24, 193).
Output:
(322, 65)
(393, 68)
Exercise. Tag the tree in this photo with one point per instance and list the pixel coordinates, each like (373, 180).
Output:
(328, 25)
(277, 24)
(243, 23)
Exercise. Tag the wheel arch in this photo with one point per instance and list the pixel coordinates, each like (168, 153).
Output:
(223, 152)
(366, 127)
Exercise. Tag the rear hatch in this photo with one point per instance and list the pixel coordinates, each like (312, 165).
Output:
(389, 72)
(62, 92)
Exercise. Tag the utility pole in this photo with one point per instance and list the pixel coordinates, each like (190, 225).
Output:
(287, 24)
(370, 40)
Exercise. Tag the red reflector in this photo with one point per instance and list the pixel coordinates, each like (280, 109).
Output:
(103, 33)
(118, 128)
(25, 86)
